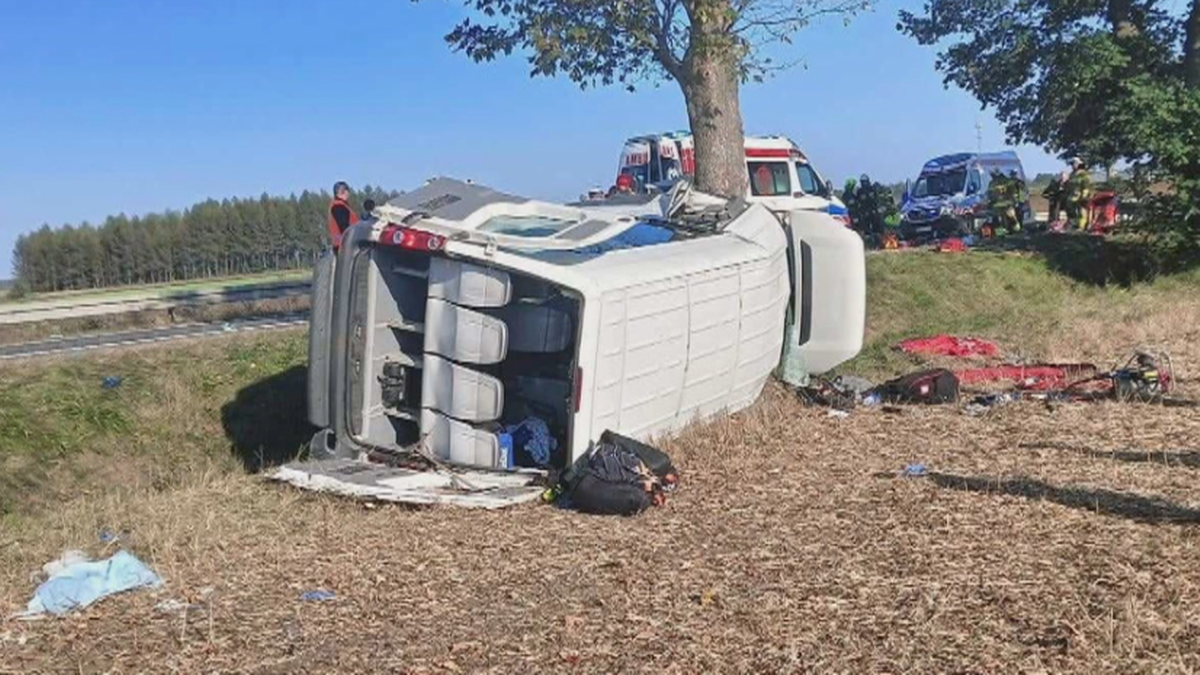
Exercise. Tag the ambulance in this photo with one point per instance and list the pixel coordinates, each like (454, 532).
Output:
(781, 177)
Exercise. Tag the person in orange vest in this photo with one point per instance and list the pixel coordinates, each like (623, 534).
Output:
(341, 216)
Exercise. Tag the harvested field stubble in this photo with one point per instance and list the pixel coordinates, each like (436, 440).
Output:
(793, 547)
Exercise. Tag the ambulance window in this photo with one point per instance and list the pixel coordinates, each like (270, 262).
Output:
(769, 179)
(808, 179)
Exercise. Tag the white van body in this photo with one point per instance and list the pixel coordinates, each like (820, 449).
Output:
(486, 306)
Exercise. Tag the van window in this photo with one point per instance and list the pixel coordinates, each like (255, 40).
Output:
(769, 179)
(809, 181)
(974, 183)
(941, 184)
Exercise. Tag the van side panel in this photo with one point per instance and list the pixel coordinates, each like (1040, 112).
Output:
(676, 349)
(642, 359)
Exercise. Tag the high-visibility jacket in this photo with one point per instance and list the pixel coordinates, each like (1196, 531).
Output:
(335, 228)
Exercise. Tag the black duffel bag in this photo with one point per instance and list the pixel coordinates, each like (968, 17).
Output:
(618, 477)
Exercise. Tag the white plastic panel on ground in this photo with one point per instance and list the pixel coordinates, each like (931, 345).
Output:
(469, 285)
(464, 335)
(469, 489)
(460, 443)
(460, 392)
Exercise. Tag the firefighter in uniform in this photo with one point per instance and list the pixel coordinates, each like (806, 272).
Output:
(341, 215)
(1079, 194)
(1016, 197)
(1055, 193)
(1000, 202)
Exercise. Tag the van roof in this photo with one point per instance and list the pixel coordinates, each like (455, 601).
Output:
(782, 145)
(957, 159)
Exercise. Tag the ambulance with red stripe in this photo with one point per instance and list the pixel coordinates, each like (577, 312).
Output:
(781, 176)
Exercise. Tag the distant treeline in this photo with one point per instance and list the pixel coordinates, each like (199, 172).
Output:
(212, 238)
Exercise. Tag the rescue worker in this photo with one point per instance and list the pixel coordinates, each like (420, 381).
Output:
(341, 216)
(1054, 194)
(1079, 194)
(1000, 203)
(368, 207)
(624, 186)
(1017, 197)
(866, 199)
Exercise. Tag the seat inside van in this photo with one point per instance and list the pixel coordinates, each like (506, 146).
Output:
(460, 353)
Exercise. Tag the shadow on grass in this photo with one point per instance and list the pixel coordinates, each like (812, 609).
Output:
(267, 422)
(1099, 261)
(1185, 458)
(1106, 502)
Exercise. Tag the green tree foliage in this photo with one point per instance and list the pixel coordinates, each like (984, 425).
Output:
(708, 47)
(232, 236)
(1112, 81)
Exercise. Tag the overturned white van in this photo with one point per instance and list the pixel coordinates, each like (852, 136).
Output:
(459, 311)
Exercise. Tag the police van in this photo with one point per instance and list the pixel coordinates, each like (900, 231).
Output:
(950, 196)
(781, 177)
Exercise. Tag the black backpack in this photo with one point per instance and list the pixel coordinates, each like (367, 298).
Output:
(927, 386)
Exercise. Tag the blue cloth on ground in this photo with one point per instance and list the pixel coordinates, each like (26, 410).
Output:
(80, 584)
(533, 436)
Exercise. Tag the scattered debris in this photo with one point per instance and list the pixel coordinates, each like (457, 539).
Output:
(828, 394)
(933, 386)
(1033, 377)
(111, 382)
(840, 414)
(531, 437)
(949, 345)
(953, 245)
(319, 595)
(76, 583)
(914, 471)
(173, 606)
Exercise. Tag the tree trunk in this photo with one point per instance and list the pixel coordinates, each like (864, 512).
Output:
(709, 78)
(1191, 48)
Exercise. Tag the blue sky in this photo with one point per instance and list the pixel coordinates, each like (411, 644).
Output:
(141, 105)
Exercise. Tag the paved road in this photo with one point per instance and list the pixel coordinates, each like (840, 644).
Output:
(84, 343)
(96, 306)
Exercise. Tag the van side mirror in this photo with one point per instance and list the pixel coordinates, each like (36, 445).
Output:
(828, 187)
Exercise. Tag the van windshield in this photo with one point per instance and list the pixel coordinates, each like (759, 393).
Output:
(941, 184)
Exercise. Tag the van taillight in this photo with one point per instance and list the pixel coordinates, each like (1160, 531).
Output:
(578, 387)
(411, 238)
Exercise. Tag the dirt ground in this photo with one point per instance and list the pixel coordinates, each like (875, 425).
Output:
(1042, 541)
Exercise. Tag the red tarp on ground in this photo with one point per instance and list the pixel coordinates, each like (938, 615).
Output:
(1039, 377)
(949, 345)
